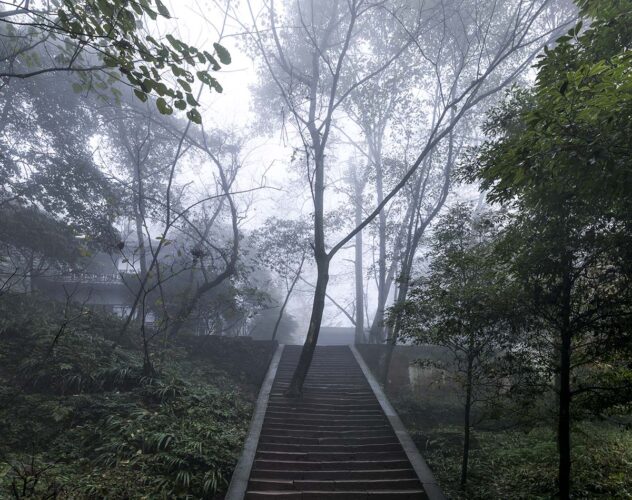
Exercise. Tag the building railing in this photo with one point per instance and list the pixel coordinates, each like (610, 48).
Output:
(113, 278)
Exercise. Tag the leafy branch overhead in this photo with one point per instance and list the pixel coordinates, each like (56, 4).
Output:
(89, 37)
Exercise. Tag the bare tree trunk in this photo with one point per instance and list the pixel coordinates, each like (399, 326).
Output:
(418, 232)
(404, 235)
(287, 298)
(320, 252)
(139, 215)
(359, 266)
(296, 385)
(378, 318)
(377, 328)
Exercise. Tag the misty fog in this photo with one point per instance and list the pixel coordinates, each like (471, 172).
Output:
(188, 186)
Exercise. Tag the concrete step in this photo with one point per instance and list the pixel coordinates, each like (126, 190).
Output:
(336, 495)
(333, 475)
(327, 422)
(338, 448)
(319, 465)
(272, 428)
(277, 439)
(337, 405)
(327, 399)
(299, 413)
(324, 410)
(319, 432)
(335, 485)
(329, 456)
(373, 406)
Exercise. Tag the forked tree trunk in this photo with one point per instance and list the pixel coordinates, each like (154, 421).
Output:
(321, 257)
(231, 266)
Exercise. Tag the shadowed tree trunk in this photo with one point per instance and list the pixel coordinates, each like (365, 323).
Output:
(564, 418)
(467, 422)
(564, 427)
(296, 385)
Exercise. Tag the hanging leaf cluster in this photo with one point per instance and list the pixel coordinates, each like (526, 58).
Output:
(113, 30)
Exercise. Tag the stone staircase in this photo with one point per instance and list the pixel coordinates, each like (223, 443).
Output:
(335, 442)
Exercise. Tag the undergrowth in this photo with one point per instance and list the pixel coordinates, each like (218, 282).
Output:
(521, 463)
(79, 420)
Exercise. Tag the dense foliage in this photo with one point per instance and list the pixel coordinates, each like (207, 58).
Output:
(79, 419)
(467, 304)
(558, 158)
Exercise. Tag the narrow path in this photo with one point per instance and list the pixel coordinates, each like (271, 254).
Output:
(335, 442)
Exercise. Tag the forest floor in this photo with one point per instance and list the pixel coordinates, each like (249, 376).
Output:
(510, 460)
(79, 420)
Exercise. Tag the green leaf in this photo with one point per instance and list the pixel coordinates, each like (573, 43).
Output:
(147, 84)
(163, 106)
(214, 64)
(110, 61)
(174, 42)
(185, 85)
(180, 104)
(195, 116)
(162, 9)
(161, 88)
(215, 84)
(222, 53)
(106, 8)
(141, 95)
(191, 100)
(137, 8)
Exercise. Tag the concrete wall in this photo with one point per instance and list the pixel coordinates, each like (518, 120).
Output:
(396, 370)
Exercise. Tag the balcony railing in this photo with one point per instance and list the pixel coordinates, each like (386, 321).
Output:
(113, 278)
